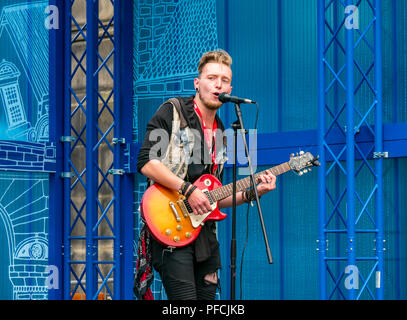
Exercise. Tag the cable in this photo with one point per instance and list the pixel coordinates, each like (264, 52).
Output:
(257, 116)
(244, 248)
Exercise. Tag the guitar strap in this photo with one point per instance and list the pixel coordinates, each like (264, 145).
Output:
(175, 102)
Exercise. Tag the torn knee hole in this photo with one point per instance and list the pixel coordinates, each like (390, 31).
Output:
(211, 278)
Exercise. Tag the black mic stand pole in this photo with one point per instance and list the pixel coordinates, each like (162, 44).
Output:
(242, 130)
(235, 127)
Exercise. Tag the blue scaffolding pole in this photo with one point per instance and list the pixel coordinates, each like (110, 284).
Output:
(321, 132)
(92, 13)
(56, 117)
(379, 150)
(65, 139)
(347, 209)
(123, 15)
(350, 153)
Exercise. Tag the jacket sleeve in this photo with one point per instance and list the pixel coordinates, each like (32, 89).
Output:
(157, 136)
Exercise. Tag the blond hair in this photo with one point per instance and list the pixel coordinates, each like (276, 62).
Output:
(218, 56)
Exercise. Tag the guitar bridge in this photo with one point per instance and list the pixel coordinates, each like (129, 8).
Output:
(175, 212)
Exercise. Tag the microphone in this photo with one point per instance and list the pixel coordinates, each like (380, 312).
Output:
(225, 97)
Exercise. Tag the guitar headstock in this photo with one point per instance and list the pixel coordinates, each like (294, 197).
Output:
(302, 162)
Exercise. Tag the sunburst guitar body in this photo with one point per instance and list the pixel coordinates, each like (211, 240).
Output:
(169, 217)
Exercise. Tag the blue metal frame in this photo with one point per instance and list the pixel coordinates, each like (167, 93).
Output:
(352, 148)
(396, 161)
(56, 116)
(350, 151)
(321, 149)
(123, 96)
(119, 268)
(379, 149)
(67, 152)
(92, 32)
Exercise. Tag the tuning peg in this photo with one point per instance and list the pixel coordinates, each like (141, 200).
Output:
(292, 155)
(316, 163)
(309, 169)
(305, 170)
(300, 173)
(301, 153)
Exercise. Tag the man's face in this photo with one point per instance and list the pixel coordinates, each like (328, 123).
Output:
(215, 78)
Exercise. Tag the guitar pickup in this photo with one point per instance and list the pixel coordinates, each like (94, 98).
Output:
(181, 204)
(174, 210)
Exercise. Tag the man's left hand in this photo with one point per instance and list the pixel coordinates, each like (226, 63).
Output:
(268, 183)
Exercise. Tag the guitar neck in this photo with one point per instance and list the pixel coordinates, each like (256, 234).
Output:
(227, 190)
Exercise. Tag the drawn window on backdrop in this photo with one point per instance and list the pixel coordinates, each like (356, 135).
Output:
(12, 100)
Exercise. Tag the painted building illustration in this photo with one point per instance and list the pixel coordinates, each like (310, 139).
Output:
(172, 37)
(22, 26)
(12, 101)
(27, 233)
(24, 155)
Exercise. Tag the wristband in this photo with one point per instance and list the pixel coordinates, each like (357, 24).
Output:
(251, 195)
(181, 188)
(190, 192)
(184, 187)
(244, 196)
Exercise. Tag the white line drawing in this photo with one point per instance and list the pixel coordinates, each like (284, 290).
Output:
(23, 26)
(24, 212)
(170, 38)
(24, 197)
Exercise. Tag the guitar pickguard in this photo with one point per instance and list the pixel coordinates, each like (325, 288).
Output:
(197, 219)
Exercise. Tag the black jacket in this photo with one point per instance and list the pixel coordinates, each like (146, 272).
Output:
(206, 243)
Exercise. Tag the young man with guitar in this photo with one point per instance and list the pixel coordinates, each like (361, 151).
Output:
(184, 141)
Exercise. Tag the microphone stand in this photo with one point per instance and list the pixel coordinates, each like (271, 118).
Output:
(239, 125)
(235, 127)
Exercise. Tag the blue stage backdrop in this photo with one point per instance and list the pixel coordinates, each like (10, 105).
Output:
(25, 152)
(274, 45)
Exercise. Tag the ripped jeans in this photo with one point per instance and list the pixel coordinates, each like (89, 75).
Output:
(183, 278)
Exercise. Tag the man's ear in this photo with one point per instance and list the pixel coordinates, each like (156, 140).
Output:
(196, 84)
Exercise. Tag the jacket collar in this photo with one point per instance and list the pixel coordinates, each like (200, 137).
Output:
(187, 106)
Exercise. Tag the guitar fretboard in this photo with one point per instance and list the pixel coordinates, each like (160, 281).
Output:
(227, 190)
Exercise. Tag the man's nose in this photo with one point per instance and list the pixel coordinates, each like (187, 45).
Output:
(218, 83)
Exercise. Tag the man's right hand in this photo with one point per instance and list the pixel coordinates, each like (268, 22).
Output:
(199, 202)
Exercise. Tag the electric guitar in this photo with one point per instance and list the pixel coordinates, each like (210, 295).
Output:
(169, 216)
